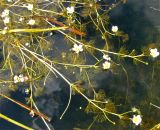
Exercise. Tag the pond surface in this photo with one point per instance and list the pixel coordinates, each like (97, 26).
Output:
(140, 20)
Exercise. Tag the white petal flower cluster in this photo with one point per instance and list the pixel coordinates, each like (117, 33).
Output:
(136, 119)
(107, 63)
(106, 57)
(20, 78)
(31, 22)
(5, 16)
(114, 29)
(77, 48)
(70, 10)
(5, 13)
(154, 52)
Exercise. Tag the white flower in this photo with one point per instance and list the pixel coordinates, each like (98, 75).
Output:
(4, 31)
(154, 52)
(32, 113)
(9, 0)
(21, 19)
(106, 57)
(31, 22)
(27, 91)
(77, 48)
(25, 78)
(21, 75)
(5, 13)
(21, 78)
(28, 6)
(70, 10)
(136, 119)
(5, 28)
(134, 109)
(26, 44)
(50, 34)
(6, 20)
(114, 29)
(106, 65)
(16, 79)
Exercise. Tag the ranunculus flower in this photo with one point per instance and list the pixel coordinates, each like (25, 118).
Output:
(154, 52)
(77, 48)
(136, 119)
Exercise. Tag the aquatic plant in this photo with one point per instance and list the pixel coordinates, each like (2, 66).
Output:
(29, 54)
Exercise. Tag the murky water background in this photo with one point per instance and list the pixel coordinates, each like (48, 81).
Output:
(141, 21)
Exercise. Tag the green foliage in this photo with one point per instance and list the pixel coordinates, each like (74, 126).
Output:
(102, 102)
(43, 37)
(123, 36)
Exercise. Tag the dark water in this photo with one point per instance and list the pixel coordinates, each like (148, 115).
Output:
(140, 22)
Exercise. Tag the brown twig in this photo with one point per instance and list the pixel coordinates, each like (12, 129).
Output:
(26, 107)
(78, 32)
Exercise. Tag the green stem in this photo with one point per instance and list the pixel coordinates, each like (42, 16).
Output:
(35, 30)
